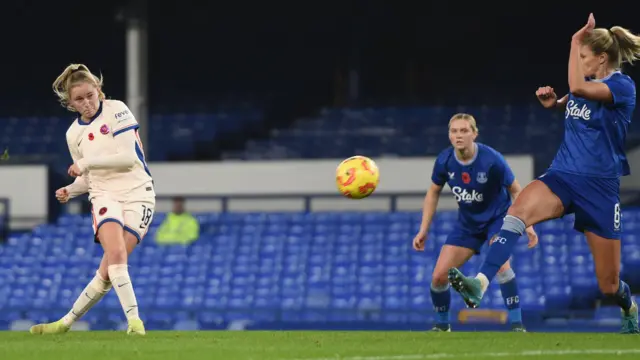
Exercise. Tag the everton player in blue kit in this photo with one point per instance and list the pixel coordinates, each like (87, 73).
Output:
(482, 183)
(584, 177)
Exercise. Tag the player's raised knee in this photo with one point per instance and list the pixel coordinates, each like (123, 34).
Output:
(518, 210)
(440, 279)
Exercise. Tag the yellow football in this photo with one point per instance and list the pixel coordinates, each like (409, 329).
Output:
(357, 177)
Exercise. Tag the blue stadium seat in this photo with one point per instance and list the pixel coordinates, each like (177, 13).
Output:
(410, 131)
(303, 267)
(169, 135)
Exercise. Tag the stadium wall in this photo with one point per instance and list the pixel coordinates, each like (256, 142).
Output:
(247, 186)
(26, 189)
(242, 179)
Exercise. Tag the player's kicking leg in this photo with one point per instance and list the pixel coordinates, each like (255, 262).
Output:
(135, 325)
(506, 277)
(113, 242)
(137, 218)
(471, 290)
(536, 203)
(97, 288)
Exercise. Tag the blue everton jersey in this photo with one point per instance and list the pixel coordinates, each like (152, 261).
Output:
(479, 186)
(595, 132)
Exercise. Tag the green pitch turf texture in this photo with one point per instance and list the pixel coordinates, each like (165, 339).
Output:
(318, 345)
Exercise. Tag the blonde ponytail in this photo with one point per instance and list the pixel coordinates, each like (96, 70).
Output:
(73, 75)
(628, 44)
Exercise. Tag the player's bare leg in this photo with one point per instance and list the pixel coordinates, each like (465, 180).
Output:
(136, 326)
(112, 239)
(97, 288)
(606, 256)
(450, 256)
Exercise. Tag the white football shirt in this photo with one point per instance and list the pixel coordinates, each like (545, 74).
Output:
(109, 151)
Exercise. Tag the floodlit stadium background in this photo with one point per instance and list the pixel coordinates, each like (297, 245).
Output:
(268, 99)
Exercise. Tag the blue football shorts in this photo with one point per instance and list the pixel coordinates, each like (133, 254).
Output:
(594, 201)
(472, 238)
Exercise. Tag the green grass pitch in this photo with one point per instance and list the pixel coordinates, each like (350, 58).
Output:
(312, 345)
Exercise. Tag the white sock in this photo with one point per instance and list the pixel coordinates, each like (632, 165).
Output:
(91, 295)
(483, 281)
(121, 281)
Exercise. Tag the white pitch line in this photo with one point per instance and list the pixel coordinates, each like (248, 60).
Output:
(487, 354)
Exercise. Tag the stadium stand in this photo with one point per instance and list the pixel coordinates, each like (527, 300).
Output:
(302, 269)
(294, 268)
(412, 131)
(406, 131)
(416, 131)
(37, 139)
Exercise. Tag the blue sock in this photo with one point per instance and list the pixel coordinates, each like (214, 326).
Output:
(501, 249)
(623, 296)
(441, 299)
(509, 290)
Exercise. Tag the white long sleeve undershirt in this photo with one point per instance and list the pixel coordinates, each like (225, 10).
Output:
(79, 186)
(124, 158)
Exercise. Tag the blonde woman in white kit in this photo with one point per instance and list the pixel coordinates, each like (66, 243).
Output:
(109, 164)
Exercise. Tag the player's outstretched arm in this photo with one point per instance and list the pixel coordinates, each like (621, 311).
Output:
(124, 158)
(429, 206)
(428, 211)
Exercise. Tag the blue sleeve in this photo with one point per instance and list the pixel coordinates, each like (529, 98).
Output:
(439, 174)
(504, 171)
(623, 90)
